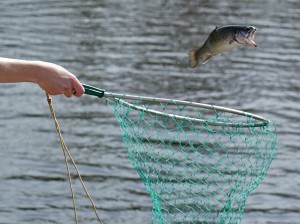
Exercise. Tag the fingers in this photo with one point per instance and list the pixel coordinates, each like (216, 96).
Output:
(74, 89)
(68, 93)
(78, 89)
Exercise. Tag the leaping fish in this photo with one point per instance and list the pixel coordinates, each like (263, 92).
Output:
(222, 38)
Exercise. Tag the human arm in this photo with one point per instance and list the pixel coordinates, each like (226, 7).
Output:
(52, 78)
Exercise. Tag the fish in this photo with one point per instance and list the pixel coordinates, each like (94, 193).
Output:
(222, 38)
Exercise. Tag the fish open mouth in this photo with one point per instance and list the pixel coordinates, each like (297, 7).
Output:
(250, 37)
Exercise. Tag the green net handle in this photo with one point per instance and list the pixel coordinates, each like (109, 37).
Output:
(91, 90)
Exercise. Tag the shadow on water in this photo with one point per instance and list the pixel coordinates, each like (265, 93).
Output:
(138, 47)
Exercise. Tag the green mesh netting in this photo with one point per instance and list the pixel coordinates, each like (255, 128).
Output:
(196, 172)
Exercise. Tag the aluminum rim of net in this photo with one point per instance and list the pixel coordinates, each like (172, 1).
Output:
(261, 121)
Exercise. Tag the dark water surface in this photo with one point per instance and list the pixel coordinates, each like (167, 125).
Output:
(139, 47)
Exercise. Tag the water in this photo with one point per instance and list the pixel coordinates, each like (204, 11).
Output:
(138, 47)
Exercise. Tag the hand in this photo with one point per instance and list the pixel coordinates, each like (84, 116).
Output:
(55, 80)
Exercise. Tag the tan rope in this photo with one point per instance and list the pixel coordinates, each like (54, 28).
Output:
(67, 152)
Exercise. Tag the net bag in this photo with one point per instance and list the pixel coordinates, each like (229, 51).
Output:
(198, 162)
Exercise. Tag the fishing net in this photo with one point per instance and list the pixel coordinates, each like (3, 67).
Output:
(198, 162)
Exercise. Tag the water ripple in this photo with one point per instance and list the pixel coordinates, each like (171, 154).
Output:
(139, 47)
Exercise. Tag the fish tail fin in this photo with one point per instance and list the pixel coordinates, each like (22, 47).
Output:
(196, 57)
(193, 59)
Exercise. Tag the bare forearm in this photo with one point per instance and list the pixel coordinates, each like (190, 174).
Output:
(13, 70)
(52, 78)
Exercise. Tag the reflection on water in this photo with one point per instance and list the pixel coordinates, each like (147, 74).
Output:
(139, 47)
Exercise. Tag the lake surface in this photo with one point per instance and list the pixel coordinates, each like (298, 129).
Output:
(139, 47)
